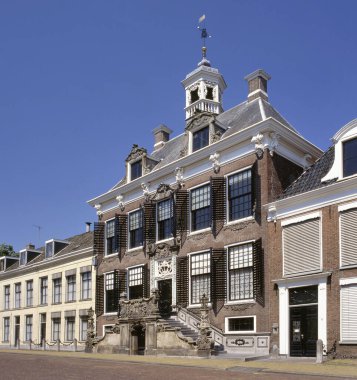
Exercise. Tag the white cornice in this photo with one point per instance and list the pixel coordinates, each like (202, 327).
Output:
(341, 191)
(292, 146)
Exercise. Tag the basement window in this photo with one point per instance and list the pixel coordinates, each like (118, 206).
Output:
(240, 324)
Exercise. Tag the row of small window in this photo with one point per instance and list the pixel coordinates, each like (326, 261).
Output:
(240, 273)
(239, 194)
(86, 291)
(70, 329)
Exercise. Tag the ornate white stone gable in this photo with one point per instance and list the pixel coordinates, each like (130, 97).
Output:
(164, 268)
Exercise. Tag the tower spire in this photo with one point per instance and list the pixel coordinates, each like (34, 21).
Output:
(204, 35)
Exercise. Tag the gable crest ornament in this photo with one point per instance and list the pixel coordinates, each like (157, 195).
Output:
(135, 153)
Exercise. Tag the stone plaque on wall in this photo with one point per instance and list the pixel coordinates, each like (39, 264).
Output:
(240, 342)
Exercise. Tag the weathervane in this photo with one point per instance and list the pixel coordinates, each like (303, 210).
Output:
(204, 34)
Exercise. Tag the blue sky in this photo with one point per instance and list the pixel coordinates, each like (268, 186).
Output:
(81, 81)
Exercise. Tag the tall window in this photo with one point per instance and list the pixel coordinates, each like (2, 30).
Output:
(49, 249)
(350, 157)
(200, 276)
(56, 329)
(200, 208)
(7, 297)
(43, 290)
(164, 219)
(18, 295)
(136, 170)
(57, 289)
(110, 296)
(6, 335)
(136, 229)
(71, 288)
(23, 256)
(86, 288)
(29, 293)
(70, 328)
(28, 331)
(200, 139)
(135, 281)
(84, 328)
(240, 195)
(240, 272)
(110, 236)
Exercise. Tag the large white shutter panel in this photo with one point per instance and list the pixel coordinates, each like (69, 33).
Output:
(348, 221)
(349, 313)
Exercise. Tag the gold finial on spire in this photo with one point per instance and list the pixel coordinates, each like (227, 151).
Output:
(204, 35)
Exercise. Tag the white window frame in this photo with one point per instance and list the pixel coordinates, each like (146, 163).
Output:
(6, 331)
(90, 288)
(190, 304)
(127, 276)
(190, 232)
(226, 325)
(128, 231)
(105, 294)
(17, 306)
(105, 239)
(344, 282)
(134, 162)
(157, 220)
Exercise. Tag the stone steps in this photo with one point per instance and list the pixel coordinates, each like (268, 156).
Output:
(178, 325)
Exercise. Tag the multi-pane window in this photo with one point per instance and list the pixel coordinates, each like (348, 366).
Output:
(70, 327)
(29, 293)
(6, 335)
(43, 290)
(56, 329)
(136, 170)
(7, 297)
(136, 229)
(200, 276)
(164, 219)
(57, 290)
(200, 139)
(240, 324)
(135, 282)
(350, 157)
(240, 265)
(28, 329)
(71, 288)
(110, 236)
(83, 328)
(200, 208)
(86, 288)
(240, 195)
(18, 294)
(110, 296)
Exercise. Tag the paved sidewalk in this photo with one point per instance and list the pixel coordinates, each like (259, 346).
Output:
(334, 368)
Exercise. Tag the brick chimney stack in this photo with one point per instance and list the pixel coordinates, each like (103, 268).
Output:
(162, 135)
(257, 85)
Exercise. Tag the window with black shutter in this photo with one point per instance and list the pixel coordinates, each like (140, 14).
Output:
(99, 297)
(122, 234)
(135, 282)
(258, 273)
(181, 211)
(110, 236)
(136, 229)
(98, 240)
(150, 222)
(164, 219)
(240, 195)
(218, 279)
(111, 296)
(201, 208)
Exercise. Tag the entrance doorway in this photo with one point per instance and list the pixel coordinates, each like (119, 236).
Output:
(165, 297)
(17, 331)
(303, 321)
(42, 328)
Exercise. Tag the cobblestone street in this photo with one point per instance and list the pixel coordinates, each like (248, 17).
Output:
(35, 366)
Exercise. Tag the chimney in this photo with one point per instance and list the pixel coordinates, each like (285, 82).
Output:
(30, 246)
(162, 135)
(257, 85)
(88, 224)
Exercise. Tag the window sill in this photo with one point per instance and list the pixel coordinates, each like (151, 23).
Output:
(71, 301)
(56, 303)
(240, 302)
(139, 248)
(110, 255)
(240, 332)
(237, 221)
(43, 304)
(164, 240)
(208, 229)
(351, 342)
(110, 314)
(199, 306)
(85, 299)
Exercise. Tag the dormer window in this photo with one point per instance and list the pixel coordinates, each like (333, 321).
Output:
(350, 157)
(200, 139)
(49, 249)
(136, 170)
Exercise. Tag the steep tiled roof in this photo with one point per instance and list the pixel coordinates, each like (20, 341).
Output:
(310, 179)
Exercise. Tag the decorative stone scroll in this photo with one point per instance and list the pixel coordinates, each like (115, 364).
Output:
(135, 153)
(139, 308)
(267, 140)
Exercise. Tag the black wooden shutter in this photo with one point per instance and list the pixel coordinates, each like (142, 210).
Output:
(258, 272)
(218, 278)
(98, 241)
(122, 275)
(255, 190)
(181, 215)
(99, 296)
(150, 222)
(123, 234)
(218, 204)
(116, 296)
(182, 281)
(116, 233)
(146, 281)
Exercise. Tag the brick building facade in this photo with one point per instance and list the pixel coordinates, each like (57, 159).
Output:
(189, 219)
